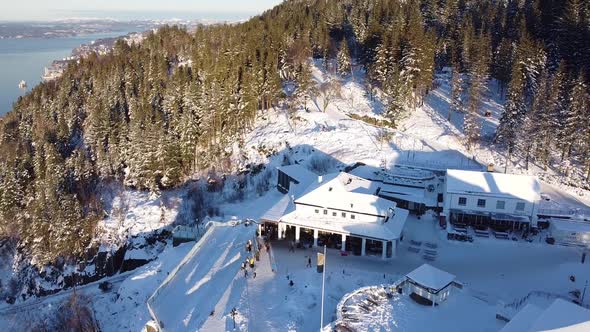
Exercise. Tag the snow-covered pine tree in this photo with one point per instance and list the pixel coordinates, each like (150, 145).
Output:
(456, 91)
(579, 102)
(11, 200)
(383, 65)
(514, 111)
(343, 59)
(538, 126)
(558, 102)
(478, 65)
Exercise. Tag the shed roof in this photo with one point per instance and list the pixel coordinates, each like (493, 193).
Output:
(299, 173)
(430, 277)
(523, 187)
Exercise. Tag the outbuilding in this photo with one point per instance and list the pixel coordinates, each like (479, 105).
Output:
(503, 202)
(428, 285)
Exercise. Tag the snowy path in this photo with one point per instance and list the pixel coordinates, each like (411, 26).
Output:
(202, 282)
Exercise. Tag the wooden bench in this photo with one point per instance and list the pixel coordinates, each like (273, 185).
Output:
(414, 249)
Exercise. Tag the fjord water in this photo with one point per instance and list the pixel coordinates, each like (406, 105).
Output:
(24, 59)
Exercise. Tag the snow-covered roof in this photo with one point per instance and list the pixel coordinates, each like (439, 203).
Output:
(411, 194)
(430, 277)
(523, 187)
(346, 192)
(299, 173)
(391, 230)
(561, 315)
(524, 319)
(279, 209)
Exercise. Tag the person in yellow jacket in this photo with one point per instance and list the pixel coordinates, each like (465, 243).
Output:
(252, 262)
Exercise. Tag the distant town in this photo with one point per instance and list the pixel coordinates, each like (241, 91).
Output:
(100, 46)
(69, 28)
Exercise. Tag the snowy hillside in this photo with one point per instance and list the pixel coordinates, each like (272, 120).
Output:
(323, 141)
(425, 138)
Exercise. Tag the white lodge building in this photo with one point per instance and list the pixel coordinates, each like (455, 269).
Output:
(340, 210)
(499, 201)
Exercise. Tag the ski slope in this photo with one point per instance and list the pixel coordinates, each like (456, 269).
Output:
(187, 299)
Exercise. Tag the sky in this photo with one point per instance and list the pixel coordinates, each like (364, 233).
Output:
(40, 10)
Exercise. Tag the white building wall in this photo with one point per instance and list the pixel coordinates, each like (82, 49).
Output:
(451, 202)
(437, 298)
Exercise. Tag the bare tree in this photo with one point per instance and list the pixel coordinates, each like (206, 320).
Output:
(76, 314)
(329, 91)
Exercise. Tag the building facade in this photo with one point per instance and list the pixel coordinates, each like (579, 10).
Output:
(339, 210)
(499, 201)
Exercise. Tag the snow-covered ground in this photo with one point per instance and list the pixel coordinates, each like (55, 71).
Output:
(460, 312)
(496, 273)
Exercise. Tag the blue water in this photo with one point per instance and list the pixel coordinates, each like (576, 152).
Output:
(24, 59)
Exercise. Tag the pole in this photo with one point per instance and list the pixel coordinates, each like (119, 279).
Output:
(323, 285)
(584, 293)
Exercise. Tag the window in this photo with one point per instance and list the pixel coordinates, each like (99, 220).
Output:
(520, 206)
(481, 203)
(500, 205)
(343, 214)
(317, 211)
(352, 216)
(334, 214)
(462, 201)
(325, 212)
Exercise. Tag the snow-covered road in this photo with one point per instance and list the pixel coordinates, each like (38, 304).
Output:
(88, 290)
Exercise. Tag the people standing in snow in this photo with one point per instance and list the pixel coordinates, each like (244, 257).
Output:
(292, 246)
(251, 262)
(309, 261)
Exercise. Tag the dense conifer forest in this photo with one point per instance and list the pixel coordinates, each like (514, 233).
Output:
(151, 115)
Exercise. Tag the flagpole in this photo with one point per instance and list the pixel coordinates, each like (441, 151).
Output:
(323, 285)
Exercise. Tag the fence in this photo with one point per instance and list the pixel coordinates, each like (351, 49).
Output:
(509, 310)
(571, 212)
(465, 164)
